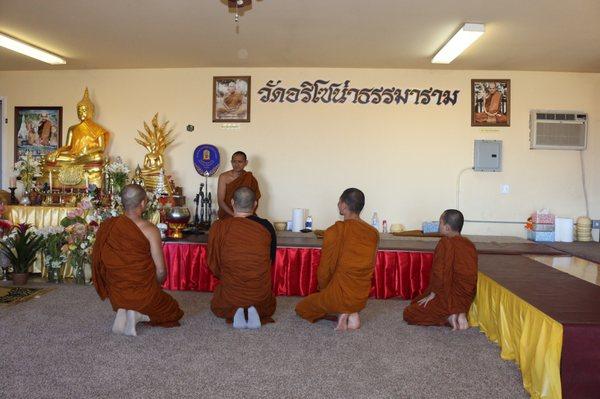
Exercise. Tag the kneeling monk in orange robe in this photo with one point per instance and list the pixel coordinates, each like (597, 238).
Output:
(240, 253)
(232, 180)
(128, 267)
(453, 279)
(346, 267)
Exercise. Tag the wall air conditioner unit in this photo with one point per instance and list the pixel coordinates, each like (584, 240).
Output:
(557, 130)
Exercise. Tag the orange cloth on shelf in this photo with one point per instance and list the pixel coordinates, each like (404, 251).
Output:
(345, 271)
(454, 281)
(239, 255)
(246, 179)
(124, 272)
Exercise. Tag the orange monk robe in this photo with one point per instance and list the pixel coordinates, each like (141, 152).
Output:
(246, 179)
(345, 271)
(124, 272)
(454, 281)
(239, 255)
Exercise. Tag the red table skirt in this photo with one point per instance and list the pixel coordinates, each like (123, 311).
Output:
(397, 273)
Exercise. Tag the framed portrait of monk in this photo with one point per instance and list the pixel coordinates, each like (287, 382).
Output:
(37, 130)
(490, 102)
(231, 99)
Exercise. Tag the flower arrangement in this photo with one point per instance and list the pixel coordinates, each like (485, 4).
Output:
(153, 208)
(77, 249)
(118, 173)
(20, 246)
(54, 258)
(28, 168)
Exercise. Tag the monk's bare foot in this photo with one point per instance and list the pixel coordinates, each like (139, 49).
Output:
(342, 322)
(453, 320)
(253, 318)
(130, 324)
(353, 321)
(463, 323)
(141, 317)
(239, 320)
(120, 320)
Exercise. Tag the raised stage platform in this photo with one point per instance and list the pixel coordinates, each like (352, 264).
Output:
(545, 320)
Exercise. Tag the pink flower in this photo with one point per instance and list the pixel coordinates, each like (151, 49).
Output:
(85, 204)
(71, 215)
(5, 224)
(78, 212)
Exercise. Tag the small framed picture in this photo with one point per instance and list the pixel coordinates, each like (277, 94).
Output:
(490, 102)
(37, 130)
(231, 99)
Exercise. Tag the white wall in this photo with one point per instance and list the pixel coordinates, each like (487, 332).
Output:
(405, 158)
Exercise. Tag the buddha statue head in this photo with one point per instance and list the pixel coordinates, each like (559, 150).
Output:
(85, 107)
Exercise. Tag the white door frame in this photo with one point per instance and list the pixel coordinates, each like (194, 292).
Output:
(3, 138)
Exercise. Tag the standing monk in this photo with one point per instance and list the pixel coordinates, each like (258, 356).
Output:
(128, 267)
(240, 253)
(232, 180)
(453, 279)
(346, 267)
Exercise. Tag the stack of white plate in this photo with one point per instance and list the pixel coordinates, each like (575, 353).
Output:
(584, 229)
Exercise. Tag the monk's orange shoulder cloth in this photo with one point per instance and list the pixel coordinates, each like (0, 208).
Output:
(246, 179)
(124, 272)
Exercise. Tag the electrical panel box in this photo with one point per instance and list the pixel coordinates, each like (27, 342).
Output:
(488, 156)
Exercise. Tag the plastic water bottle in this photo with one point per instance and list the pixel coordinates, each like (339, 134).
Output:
(308, 224)
(375, 221)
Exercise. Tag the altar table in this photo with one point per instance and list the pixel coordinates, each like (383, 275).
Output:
(403, 274)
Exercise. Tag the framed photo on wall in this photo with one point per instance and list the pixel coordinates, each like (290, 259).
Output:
(231, 99)
(490, 102)
(38, 130)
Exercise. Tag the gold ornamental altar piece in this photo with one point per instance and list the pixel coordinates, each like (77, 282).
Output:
(80, 161)
(155, 140)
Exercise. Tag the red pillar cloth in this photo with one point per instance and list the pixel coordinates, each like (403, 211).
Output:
(397, 273)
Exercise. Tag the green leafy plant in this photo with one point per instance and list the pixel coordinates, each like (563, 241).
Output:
(21, 247)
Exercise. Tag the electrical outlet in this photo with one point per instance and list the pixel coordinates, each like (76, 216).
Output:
(595, 224)
(505, 189)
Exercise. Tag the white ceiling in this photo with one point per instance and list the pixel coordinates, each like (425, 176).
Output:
(544, 35)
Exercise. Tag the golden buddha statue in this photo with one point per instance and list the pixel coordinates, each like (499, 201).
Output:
(154, 140)
(82, 157)
(137, 177)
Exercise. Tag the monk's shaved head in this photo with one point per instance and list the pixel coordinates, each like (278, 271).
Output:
(240, 153)
(354, 199)
(454, 219)
(243, 199)
(132, 196)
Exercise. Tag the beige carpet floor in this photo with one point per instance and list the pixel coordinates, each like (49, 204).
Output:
(60, 346)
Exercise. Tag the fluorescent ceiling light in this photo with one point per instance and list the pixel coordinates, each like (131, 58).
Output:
(30, 51)
(459, 43)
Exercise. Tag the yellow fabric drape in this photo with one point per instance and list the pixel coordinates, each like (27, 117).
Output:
(525, 335)
(39, 216)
